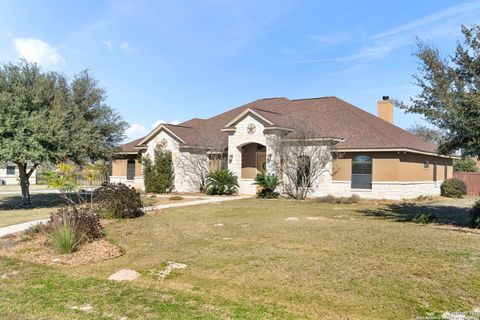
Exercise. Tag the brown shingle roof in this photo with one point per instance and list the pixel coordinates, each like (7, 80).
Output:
(130, 146)
(329, 116)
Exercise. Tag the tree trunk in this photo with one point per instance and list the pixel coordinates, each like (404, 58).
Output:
(25, 182)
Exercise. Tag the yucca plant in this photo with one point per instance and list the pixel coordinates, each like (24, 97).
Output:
(65, 237)
(268, 183)
(221, 182)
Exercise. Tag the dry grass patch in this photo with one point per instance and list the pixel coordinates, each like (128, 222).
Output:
(38, 249)
(347, 264)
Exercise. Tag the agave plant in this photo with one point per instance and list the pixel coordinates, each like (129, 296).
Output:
(221, 182)
(267, 183)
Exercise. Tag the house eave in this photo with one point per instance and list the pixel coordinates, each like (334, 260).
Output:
(410, 150)
(157, 130)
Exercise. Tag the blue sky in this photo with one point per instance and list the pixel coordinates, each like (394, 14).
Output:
(174, 60)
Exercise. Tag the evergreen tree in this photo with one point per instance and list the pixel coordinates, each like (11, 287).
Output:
(45, 119)
(158, 172)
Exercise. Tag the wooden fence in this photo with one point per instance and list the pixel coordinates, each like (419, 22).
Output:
(472, 179)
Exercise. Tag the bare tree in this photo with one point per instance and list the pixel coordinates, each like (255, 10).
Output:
(428, 134)
(305, 158)
(198, 160)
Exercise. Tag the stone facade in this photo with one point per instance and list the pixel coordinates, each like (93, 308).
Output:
(391, 190)
(251, 129)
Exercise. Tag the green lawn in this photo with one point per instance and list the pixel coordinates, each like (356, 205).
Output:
(33, 187)
(10, 214)
(354, 261)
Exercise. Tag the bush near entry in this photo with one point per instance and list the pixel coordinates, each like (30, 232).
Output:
(453, 188)
(117, 201)
(268, 183)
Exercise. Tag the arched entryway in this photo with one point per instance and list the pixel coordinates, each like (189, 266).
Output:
(254, 160)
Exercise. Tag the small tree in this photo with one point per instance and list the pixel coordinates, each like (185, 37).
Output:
(158, 172)
(46, 119)
(426, 133)
(64, 179)
(304, 158)
(465, 165)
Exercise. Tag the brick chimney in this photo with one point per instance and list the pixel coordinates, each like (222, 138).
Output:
(385, 109)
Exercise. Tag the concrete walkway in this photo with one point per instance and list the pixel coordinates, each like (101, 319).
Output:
(204, 200)
(23, 226)
(31, 192)
(20, 227)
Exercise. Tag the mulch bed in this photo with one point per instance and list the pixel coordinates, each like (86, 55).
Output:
(38, 250)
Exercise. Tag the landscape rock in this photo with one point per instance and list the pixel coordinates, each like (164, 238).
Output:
(218, 225)
(124, 275)
(291, 219)
(8, 275)
(313, 218)
(170, 267)
(85, 308)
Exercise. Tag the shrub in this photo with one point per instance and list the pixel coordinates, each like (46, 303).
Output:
(268, 183)
(221, 182)
(83, 218)
(453, 188)
(354, 198)
(422, 197)
(65, 237)
(117, 201)
(465, 165)
(475, 215)
(175, 198)
(424, 218)
(38, 228)
(158, 172)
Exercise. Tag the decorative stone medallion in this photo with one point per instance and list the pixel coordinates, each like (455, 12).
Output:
(163, 142)
(251, 128)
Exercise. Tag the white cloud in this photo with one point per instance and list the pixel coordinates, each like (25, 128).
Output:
(135, 131)
(108, 44)
(435, 25)
(157, 123)
(125, 47)
(36, 50)
(436, 16)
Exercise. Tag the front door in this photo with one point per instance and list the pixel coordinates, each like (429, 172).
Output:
(261, 162)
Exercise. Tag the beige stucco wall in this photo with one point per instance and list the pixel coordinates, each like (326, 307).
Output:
(138, 167)
(119, 167)
(412, 167)
(393, 166)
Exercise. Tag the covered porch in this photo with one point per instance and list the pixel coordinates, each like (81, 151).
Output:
(253, 161)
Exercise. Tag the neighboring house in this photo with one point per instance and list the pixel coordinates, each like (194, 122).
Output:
(377, 159)
(9, 174)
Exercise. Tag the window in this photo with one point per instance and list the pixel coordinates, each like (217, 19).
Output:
(130, 169)
(362, 172)
(303, 171)
(10, 170)
(445, 171)
(435, 171)
(425, 164)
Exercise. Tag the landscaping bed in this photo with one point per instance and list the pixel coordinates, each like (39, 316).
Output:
(37, 249)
